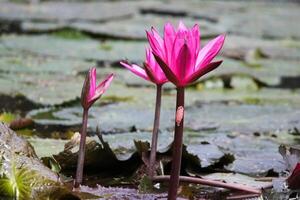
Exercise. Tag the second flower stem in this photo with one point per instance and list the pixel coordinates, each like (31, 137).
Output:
(81, 153)
(151, 167)
(177, 147)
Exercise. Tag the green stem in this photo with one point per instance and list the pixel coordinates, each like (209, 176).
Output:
(81, 153)
(177, 147)
(152, 161)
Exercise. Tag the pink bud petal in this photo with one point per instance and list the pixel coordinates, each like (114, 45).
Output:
(102, 87)
(90, 93)
(93, 75)
(179, 115)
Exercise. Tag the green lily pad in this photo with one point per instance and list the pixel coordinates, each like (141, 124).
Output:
(64, 11)
(237, 178)
(47, 147)
(87, 49)
(134, 28)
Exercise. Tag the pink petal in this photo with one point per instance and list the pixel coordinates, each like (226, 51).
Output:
(93, 75)
(157, 37)
(190, 41)
(177, 45)
(102, 87)
(151, 74)
(195, 35)
(137, 70)
(150, 60)
(196, 38)
(183, 63)
(209, 51)
(157, 71)
(169, 37)
(86, 91)
(156, 43)
(202, 71)
(166, 69)
(181, 27)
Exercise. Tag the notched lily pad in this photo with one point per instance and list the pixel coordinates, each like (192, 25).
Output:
(207, 154)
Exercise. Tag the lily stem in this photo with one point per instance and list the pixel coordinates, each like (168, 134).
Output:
(81, 153)
(177, 147)
(151, 167)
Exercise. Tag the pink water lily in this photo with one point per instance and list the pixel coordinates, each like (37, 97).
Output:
(90, 91)
(183, 61)
(179, 53)
(151, 71)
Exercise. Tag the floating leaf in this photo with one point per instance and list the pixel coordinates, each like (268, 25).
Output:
(146, 185)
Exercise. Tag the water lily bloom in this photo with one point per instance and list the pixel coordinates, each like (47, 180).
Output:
(183, 61)
(90, 93)
(179, 53)
(153, 73)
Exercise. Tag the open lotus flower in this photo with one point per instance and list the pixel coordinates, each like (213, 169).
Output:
(180, 56)
(151, 71)
(91, 92)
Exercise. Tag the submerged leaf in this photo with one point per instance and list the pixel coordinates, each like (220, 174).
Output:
(7, 117)
(145, 185)
(52, 164)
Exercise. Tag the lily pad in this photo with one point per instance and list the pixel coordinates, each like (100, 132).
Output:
(134, 28)
(87, 49)
(238, 178)
(65, 11)
(207, 154)
(47, 147)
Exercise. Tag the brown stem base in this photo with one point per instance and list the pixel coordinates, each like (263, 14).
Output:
(214, 183)
(81, 153)
(152, 161)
